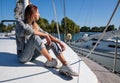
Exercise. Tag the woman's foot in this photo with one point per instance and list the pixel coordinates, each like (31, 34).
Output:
(51, 64)
(67, 70)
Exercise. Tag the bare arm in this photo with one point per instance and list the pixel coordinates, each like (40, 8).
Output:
(54, 39)
(57, 41)
(48, 37)
(37, 32)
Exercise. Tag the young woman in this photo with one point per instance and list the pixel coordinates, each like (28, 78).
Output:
(29, 38)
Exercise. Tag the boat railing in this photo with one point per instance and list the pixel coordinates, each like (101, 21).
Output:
(115, 56)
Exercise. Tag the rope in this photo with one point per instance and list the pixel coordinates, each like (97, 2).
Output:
(104, 29)
(56, 18)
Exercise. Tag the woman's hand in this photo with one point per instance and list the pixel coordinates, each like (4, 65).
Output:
(62, 46)
(48, 39)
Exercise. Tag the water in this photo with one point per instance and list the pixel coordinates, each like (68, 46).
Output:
(75, 36)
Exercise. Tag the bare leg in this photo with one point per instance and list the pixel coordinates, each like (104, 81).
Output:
(62, 59)
(46, 54)
(57, 51)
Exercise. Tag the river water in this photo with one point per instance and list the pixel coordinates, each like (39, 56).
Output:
(75, 36)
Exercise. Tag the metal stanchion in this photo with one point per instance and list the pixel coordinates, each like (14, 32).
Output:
(116, 46)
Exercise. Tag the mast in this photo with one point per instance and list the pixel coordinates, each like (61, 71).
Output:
(26, 2)
(20, 7)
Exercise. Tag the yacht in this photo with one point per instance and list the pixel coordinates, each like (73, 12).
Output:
(106, 51)
(11, 71)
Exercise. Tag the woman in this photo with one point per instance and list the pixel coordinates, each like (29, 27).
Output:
(29, 38)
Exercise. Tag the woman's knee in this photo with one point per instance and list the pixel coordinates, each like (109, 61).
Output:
(55, 47)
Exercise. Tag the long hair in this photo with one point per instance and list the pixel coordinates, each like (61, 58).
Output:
(29, 14)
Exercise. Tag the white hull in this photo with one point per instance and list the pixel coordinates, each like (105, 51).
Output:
(33, 72)
(104, 45)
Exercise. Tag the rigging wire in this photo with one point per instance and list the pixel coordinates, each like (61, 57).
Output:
(56, 19)
(62, 6)
(105, 28)
(1, 10)
(88, 16)
(65, 20)
(64, 14)
(80, 9)
(91, 12)
(118, 22)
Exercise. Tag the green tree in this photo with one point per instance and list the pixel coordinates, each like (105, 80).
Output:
(71, 27)
(43, 23)
(9, 27)
(95, 29)
(111, 27)
(85, 29)
(14, 25)
(3, 28)
(53, 26)
(102, 28)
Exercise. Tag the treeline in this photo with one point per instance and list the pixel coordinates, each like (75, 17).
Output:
(97, 29)
(65, 26)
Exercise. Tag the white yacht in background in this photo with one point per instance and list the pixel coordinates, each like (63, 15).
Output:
(107, 51)
(107, 44)
(11, 71)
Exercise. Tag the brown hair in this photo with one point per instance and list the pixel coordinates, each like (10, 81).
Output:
(30, 12)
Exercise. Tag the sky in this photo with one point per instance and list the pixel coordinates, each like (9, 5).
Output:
(83, 12)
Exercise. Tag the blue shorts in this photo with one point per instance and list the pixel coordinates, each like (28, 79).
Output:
(33, 48)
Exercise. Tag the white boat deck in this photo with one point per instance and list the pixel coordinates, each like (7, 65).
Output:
(11, 71)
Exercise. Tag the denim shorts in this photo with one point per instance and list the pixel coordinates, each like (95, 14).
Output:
(33, 48)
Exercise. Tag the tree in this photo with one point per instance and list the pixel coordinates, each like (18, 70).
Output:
(102, 28)
(53, 26)
(43, 23)
(0, 27)
(85, 29)
(9, 27)
(71, 27)
(96, 29)
(111, 27)
(3, 27)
